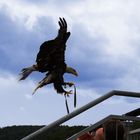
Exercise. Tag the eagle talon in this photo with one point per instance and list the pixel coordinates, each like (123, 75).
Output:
(67, 93)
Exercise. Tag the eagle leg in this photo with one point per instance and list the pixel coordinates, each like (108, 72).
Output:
(70, 84)
(71, 91)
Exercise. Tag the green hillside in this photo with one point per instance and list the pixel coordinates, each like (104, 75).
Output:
(18, 132)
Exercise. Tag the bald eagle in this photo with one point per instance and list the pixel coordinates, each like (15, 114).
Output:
(51, 60)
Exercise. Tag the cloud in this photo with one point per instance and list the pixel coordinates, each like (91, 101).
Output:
(103, 47)
(18, 103)
(28, 96)
(12, 43)
(102, 35)
(18, 45)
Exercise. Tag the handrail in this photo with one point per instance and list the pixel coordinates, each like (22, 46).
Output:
(80, 110)
(96, 125)
(135, 112)
(134, 131)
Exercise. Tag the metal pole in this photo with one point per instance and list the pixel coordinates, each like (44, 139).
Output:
(78, 111)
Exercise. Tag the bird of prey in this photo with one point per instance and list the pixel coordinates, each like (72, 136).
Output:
(51, 60)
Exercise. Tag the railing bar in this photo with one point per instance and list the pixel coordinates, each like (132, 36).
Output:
(67, 117)
(134, 131)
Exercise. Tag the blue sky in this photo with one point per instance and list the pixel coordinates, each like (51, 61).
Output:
(104, 48)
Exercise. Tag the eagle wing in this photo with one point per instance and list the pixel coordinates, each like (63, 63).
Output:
(51, 58)
(52, 52)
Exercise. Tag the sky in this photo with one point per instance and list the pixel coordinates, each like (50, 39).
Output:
(104, 47)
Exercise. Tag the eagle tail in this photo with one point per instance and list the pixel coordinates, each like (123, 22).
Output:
(26, 72)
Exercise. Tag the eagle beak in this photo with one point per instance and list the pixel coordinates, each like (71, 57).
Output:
(71, 71)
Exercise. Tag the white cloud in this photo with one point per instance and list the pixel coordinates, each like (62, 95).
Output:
(28, 13)
(114, 25)
(21, 12)
(28, 96)
(18, 103)
(22, 109)
(115, 21)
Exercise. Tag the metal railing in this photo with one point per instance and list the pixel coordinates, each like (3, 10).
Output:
(135, 131)
(98, 124)
(134, 134)
(80, 110)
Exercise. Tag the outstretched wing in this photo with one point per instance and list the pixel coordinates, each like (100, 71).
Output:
(63, 35)
(52, 52)
(44, 57)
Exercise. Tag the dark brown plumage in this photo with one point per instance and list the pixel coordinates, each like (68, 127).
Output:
(51, 59)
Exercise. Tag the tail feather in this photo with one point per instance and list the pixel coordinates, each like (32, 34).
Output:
(47, 80)
(26, 72)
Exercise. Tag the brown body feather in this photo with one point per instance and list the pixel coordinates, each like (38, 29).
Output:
(51, 59)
